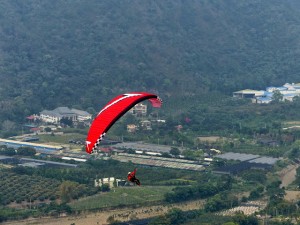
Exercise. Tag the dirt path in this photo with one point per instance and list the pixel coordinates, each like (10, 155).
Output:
(288, 175)
(100, 218)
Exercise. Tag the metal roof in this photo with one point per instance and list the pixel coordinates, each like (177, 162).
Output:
(237, 156)
(249, 158)
(37, 146)
(48, 162)
(265, 160)
(159, 162)
(143, 147)
(80, 112)
(264, 99)
(50, 113)
(2, 157)
(32, 164)
(63, 110)
(268, 94)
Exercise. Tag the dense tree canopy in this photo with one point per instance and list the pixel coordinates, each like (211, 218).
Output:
(58, 52)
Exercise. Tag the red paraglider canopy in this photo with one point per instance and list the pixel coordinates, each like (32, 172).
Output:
(111, 112)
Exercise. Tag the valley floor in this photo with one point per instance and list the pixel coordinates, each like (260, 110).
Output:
(287, 176)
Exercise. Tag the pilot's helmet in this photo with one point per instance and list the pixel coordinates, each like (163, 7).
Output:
(129, 172)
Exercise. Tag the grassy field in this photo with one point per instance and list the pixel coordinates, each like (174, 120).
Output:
(122, 196)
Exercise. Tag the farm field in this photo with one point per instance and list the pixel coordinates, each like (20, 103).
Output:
(123, 196)
(16, 188)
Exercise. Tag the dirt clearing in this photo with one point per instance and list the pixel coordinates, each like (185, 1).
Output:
(288, 175)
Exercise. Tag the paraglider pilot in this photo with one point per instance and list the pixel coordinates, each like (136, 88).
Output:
(131, 177)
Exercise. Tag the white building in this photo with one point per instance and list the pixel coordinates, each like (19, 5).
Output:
(48, 116)
(54, 116)
(262, 100)
(82, 115)
(139, 110)
(288, 91)
(146, 125)
(110, 181)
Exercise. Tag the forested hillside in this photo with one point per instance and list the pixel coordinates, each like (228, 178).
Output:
(58, 52)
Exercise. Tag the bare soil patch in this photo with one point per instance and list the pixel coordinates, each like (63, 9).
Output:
(209, 138)
(288, 175)
(292, 196)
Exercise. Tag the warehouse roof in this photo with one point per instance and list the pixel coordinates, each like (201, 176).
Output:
(248, 157)
(237, 156)
(265, 160)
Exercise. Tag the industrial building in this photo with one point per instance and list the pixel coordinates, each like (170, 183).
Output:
(45, 163)
(247, 161)
(142, 147)
(159, 161)
(28, 162)
(288, 92)
(248, 157)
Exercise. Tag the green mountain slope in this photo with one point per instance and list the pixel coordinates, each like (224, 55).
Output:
(83, 52)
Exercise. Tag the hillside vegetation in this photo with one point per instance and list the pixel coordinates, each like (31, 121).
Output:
(81, 53)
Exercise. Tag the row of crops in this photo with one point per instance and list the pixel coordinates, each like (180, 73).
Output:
(18, 188)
